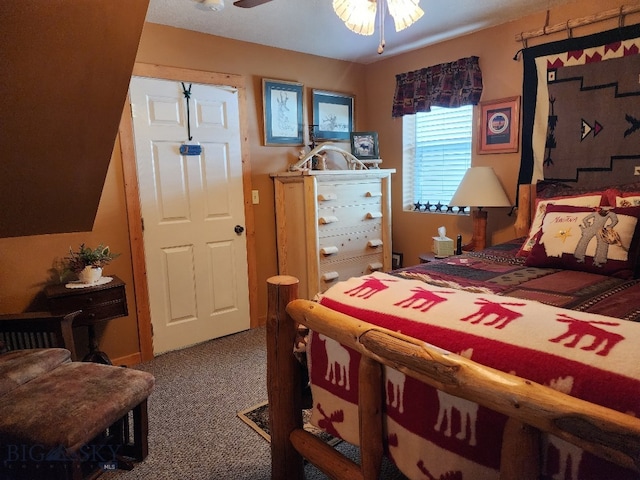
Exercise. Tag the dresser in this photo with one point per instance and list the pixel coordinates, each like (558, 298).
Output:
(332, 225)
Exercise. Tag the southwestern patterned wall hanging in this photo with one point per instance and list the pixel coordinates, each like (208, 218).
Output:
(581, 109)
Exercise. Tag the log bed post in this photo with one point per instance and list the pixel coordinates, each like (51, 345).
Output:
(525, 211)
(283, 379)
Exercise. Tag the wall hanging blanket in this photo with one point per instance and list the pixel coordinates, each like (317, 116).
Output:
(581, 108)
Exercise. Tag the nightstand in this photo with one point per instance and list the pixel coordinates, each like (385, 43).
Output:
(430, 257)
(427, 257)
(98, 304)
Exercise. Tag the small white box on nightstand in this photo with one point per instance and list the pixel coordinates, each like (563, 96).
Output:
(442, 247)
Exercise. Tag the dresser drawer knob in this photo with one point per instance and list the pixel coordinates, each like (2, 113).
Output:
(376, 242)
(329, 276)
(329, 250)
(328, 219)
(374, 215)
(325, 197)
(375, 266)
(373, 194)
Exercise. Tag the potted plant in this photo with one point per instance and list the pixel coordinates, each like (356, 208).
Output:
(87, 263)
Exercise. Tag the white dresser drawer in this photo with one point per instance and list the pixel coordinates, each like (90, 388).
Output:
(332, 220)
(353, 243)
(348, 193)
(333, 272)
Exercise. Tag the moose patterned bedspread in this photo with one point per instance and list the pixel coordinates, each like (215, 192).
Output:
(433, 435)
(498, 270)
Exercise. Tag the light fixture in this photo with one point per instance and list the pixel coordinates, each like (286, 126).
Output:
(211, 5)
(359, 15)
(480, 188)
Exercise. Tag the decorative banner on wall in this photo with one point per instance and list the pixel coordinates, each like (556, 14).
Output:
(581, 109)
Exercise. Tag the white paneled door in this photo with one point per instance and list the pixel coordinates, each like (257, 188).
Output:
(192, 209)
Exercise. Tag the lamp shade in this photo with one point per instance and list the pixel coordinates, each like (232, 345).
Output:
(480, 187)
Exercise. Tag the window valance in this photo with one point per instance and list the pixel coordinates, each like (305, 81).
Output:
(446, 85)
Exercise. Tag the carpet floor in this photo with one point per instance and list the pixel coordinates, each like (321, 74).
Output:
(194, 429)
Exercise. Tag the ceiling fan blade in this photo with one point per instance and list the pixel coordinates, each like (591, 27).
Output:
(249, 3)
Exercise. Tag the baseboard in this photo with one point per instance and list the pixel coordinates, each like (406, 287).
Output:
(128, 360)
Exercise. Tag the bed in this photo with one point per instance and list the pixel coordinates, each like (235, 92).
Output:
(462, 368)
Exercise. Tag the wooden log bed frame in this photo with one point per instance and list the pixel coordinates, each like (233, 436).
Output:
(532, 408)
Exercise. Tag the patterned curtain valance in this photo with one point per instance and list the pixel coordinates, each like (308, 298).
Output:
(446, 85)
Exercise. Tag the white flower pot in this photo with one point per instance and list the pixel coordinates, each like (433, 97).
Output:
(90, 274)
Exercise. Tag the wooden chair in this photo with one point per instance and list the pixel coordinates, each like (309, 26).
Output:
(38, 330)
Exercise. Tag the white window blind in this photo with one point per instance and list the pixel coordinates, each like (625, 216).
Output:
(437, 153)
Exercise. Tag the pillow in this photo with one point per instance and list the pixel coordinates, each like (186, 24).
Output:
(627, 201)
(597, 240)
(593, 199)
(626, 195)
(618, 198)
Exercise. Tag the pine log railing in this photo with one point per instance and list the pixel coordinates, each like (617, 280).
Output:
(532, 408)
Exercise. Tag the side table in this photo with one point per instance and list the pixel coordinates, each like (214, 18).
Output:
(430, 257)
(98, 304)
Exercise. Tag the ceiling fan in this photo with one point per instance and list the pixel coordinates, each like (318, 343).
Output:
(217, 5)
(249, 3)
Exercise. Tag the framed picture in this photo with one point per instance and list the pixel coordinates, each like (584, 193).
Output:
(282, 105)
(332, 115)
(396, 260)
(364, 145)
(499, 126)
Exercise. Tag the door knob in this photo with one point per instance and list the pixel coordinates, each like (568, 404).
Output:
(238, 229)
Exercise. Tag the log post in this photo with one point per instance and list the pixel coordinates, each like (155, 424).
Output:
(520, 456)
(524, 212)
(370, 388)
(283, 379)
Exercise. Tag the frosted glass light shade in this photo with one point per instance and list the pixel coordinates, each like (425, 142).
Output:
(404, 12)
(210, 5)
(358, 15)
(480, 187)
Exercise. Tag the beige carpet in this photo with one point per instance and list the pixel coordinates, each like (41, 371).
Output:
(194, 429)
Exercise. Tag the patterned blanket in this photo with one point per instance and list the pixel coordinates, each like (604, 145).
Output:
(433, 435)
(498, 270)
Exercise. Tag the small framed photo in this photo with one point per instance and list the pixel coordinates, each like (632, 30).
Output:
(332, 115)
(282, 105)
(499, 126)
(364, 145)
(396, 260)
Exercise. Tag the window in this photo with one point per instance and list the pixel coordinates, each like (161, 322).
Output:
(436, 154)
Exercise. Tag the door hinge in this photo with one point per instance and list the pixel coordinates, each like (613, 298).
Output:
(152, 330)
(142, 223)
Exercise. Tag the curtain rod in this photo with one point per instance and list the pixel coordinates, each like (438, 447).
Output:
(578, 22)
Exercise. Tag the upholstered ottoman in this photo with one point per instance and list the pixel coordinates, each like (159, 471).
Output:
(76, 414)
(21, 366)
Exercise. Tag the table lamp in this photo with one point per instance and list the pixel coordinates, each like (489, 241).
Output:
(480, 188)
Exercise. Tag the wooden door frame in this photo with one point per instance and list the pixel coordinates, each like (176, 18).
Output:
(132, 193)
